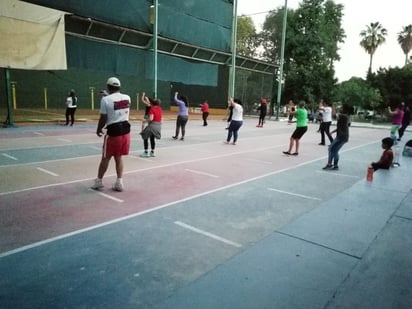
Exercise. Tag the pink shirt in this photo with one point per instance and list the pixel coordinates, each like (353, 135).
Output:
(397, 118)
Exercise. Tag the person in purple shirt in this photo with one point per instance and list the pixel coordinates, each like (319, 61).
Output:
(182, 116)
(397, 116)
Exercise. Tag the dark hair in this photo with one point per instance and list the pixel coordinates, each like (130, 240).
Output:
(347, 109)
(387, 141)
(154, 101)
(238, 101)
(73, 96)
(184, 99)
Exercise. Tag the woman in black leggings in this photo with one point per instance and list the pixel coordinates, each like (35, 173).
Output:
(182, 116)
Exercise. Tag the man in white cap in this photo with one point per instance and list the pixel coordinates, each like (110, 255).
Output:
(114, 116)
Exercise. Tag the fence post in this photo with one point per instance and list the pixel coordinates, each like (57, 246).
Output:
(92, 97)
(13, 94)
(45, 97)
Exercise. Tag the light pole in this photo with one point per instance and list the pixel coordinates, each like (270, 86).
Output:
(234, 39)
(154, 15)
(282, 60)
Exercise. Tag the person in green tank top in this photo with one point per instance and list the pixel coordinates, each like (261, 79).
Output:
(301, 115)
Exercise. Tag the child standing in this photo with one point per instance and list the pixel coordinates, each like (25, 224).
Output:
(385, 162)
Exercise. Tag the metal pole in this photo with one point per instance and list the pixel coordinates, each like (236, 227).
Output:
(45, 97)
(234, 39)
(282, 56)
(155, 35)
(92, 97)
(9, 120)
(13, 94)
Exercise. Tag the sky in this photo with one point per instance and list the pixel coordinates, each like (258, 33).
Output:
(393, 15)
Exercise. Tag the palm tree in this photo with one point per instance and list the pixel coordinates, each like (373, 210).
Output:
(372, 38)
(405, 40)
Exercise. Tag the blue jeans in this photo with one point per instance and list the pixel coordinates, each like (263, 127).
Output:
(334, 147)
(233, 129)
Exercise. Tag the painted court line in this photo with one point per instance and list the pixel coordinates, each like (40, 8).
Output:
(295, 194)
(207, 234)
(9, 156)
(38, 133)
(201, 173)
(108, 196)
(134, 215)
(47, 172)
(64, 140)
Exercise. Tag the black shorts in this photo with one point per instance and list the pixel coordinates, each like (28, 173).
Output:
(298, 133)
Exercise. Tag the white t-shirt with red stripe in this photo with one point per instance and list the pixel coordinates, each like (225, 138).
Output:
(116, 106)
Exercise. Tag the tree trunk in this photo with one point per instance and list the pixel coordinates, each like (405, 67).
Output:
(370, 63)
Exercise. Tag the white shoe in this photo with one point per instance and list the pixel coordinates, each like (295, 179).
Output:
(118, 186)
(98, 184)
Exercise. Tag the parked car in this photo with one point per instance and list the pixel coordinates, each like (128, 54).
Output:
(367, 114)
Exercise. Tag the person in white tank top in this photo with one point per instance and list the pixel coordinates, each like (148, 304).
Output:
(326, 110)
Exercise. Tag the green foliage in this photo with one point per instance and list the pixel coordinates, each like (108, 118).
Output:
(394, 84)
(358, 94)
(247, 39)
(313, 33)
(372, 38)
(405, 41)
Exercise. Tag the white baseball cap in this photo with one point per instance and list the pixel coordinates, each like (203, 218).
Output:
(113, 81)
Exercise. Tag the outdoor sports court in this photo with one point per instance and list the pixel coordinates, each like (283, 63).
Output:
(199, 213)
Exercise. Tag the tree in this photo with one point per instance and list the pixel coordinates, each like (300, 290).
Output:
(358, 94)
(405, 40)
(372, 38)
(247, 39)
(394, 84)
(312, 36)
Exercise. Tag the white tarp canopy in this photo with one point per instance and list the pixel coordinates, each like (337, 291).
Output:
(32, 37)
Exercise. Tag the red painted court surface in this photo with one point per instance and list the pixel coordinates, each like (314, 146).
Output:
(46, 173)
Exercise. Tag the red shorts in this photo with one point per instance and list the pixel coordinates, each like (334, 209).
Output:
(114, 146)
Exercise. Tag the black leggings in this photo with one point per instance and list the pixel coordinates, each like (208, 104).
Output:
(262, 118)
(152, 143)
(181, 124)
(70, 112)
(402, 129)
(324, 129)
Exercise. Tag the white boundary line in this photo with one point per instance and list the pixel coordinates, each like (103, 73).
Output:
(74, 233)
(39, 133)
(109, 196)
(137, 214)
(210, 235)
(47, 172)
(296, 194)
(132, 171)
(64, 140)
(9, 156)
(201, 173)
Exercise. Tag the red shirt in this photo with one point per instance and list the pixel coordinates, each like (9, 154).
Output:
(156, 111)
(204, 108)
(386, 159)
